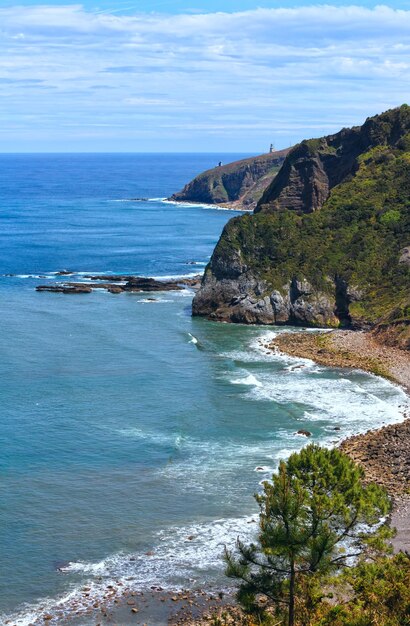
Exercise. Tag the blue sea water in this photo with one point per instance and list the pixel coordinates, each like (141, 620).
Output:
(126, 425)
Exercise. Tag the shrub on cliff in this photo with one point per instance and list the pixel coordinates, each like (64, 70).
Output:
(315, 515)
(378, 594)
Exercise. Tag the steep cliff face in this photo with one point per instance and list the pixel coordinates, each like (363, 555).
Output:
(240, 184)
(314, 167)
(328, 242)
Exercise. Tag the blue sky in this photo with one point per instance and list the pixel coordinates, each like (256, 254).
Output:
(187, 75)
(203, 6)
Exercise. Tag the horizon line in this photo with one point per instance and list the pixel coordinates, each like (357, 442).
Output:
(136, 152)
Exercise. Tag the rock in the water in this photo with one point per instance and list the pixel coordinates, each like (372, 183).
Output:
(305, 433)
(137, 283)
(114, 278)
(128, 284)
(65, 288)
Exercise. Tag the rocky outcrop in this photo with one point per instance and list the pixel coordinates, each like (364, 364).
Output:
(238, 185)
(249, 300)
(65, 288)
(120, 284)
(405, 256)
(327, 243)
(395, 334)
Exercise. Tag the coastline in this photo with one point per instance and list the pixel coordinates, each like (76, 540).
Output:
(349, 349)
(375, 450)
(384, 455)
(223, 206)
(383, 452)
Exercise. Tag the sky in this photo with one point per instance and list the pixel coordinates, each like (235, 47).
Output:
(195, 75)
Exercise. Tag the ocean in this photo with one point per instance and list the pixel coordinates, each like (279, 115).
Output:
(134, 436)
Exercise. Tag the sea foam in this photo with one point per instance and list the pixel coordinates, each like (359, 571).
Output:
(181, 557)
(190, 555)
(358, 402)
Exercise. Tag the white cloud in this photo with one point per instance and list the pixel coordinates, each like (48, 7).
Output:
(180, 79)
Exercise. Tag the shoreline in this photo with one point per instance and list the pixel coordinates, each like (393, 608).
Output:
(347, 349)
(223, 206)
(381, 452)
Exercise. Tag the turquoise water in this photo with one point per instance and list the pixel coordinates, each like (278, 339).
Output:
(126, 425)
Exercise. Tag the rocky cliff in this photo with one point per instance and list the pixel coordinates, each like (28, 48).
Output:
(328, 244)
(238, 185)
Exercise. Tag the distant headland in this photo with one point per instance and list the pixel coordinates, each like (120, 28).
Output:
(237, 185)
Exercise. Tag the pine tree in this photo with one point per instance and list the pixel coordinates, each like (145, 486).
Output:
(315, 515)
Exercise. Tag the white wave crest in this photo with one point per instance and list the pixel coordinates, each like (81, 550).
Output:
(247, 380)
(181, 557)
(204, 205)
(175, 276)
(357, 401)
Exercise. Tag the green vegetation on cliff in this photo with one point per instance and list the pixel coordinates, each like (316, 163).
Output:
(351, 244)
(357, 235)
(315, 515)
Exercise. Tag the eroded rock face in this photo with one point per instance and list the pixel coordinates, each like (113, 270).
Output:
(314, 167)
(303, 182)
(239, 184)
(251, 301)
(241, 299)
(405, 256)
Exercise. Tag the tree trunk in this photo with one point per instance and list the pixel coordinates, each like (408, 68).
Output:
(291, 620)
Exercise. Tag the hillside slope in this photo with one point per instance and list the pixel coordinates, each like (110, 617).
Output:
(329, 242)
(239, 184)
